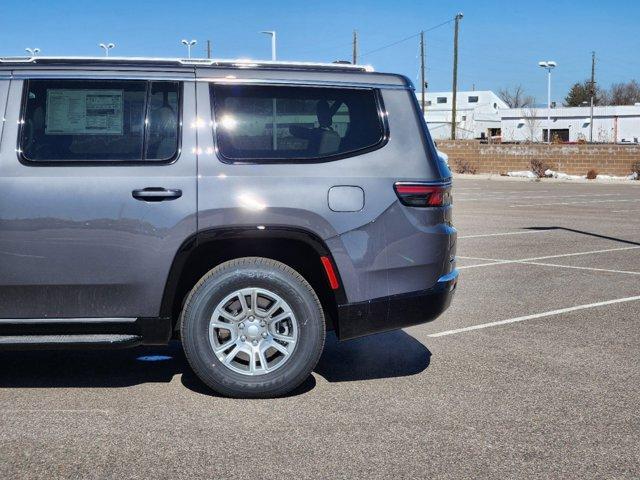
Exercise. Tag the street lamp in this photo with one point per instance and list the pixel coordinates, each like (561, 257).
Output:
(33, 51)
(189, 44)
(273, 43)
(548, 66)
(107, 47)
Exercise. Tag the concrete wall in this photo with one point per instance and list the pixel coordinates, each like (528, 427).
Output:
(572, 159)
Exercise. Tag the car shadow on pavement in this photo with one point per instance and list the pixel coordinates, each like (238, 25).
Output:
(590, 234)
(385, 355)
(90, 368)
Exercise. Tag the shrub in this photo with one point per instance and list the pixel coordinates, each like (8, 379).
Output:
(636, 169)
(592, 174)
(539, 167)
(465, 167)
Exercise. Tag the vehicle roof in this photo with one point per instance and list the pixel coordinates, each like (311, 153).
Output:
(204, 67)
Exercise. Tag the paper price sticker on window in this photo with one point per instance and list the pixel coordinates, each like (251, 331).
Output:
(84, 112)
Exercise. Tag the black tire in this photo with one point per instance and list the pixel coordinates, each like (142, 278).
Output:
(256, 272)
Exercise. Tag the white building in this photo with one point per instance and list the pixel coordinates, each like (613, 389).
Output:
(572, 124)
(477, 114)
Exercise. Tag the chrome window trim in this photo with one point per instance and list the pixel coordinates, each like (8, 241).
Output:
(384, 139)
(101, 163)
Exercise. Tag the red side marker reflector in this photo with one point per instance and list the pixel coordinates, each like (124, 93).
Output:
(331, 274)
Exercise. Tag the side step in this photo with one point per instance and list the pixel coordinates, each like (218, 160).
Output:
(53, 342)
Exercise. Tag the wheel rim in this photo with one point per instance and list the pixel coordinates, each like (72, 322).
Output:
(253, 331)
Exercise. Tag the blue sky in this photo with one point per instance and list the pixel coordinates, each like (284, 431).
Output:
(500, 44)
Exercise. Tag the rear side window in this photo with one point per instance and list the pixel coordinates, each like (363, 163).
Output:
(294, 124)
(87, 120)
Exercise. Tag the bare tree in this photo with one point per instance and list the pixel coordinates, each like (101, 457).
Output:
(625, 93)
(515, 97)
(531, 120)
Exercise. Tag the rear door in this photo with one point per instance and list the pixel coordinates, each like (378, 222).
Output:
(97, 192)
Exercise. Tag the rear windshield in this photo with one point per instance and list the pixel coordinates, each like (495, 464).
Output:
(294, 124)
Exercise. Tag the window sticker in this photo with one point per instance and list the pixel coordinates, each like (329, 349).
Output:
(84, 112)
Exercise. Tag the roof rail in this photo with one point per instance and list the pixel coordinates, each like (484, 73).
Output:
(234, 63)
(17, 59)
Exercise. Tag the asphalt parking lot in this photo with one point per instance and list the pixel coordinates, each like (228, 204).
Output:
(533, 372)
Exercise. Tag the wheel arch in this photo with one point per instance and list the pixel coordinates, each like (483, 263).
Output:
(298, 248)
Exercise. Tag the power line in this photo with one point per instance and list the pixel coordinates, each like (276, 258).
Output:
(390, 45)
(408, 38)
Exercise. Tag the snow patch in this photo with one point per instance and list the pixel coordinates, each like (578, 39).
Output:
(563, 176)
(633, 176)
(522, 174)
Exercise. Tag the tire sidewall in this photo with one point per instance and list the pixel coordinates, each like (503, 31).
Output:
(213, 290)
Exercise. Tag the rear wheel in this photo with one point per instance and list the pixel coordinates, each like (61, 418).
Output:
(252, 327)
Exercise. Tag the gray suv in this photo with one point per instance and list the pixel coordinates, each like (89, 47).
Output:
(244, 208)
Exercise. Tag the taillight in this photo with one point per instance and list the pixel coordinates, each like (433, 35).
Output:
(423, 195)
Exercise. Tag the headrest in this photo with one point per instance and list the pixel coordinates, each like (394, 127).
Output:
(323, 112)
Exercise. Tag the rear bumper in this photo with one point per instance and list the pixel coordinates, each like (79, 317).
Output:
(396, 311)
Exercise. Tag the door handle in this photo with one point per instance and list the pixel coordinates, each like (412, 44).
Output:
(156, 194)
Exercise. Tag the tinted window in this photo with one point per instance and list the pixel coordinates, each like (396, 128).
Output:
(442, 99)
(473, 99)
(72, 120)
(263, 123)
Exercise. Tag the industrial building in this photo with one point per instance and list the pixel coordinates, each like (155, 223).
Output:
(619, 124)
(477, 114)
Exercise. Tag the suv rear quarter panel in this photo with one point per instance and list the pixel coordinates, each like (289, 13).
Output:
(383, 241)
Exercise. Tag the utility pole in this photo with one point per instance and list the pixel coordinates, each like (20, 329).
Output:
(592, 89)
(208, 48)
(354, 58)
(422, 73)
(455, 75)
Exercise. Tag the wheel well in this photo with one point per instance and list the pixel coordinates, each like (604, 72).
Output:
(297, 254)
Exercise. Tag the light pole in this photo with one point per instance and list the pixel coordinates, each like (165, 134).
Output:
(189, 44)
(107, 47)
(33, 51)
(273, 42)
(548, 66)
(274, 102)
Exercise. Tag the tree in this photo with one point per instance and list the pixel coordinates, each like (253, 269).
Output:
(530, 114)
(625, 93)
(515, 97)
(580, 93)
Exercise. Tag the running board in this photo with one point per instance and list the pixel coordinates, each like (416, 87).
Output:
(87, 332)
(53, 342)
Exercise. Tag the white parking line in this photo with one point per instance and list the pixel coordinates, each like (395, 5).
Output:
(532, 317)
(542, 197)
(503, 233)
(582, 268)
(497, 261)
(45, 411)
(571, 203)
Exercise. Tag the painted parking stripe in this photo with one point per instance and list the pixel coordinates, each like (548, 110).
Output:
(504, 233)
(534, 316)
(593, 269)
(497, 261)
(541, 197)
(572, 203)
